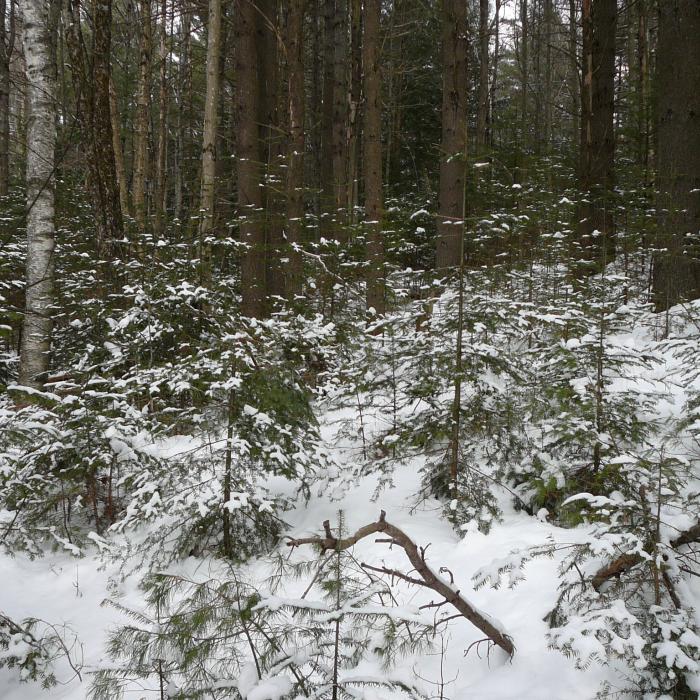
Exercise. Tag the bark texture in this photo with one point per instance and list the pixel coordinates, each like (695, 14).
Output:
(295, 151)
(597, 155)
(211, 117)
(677, 271)
(41, 134)
(373, 157)
(454, 134)
(253, 286)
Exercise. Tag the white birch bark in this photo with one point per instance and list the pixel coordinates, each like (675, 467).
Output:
(41, 143)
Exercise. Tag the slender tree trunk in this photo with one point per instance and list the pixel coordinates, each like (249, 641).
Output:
(119, 166)
(162, 153)
(7, 41)
(327, 119)
(454, 134)
(41, 133)
(211, 116)
(354, 107)
(524, 74)
(548, 97)
(483, 106)
(677, 270)
(249, 189)
(182, 92)
(494, 79)
(372, 162)
(143, 99)
(91, 73)
(271, 143)
(340, 118)
(574, 81)
(295, 152)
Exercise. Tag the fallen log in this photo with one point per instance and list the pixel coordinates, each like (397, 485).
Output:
(628, 561)
(428, 577)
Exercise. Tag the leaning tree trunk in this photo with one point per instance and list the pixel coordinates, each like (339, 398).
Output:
(372, 162)
(211, 116)
(41, 134)
(454, 134)
(253, 286)
(677, 269)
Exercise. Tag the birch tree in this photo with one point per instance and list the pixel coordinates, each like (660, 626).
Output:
(41, 140)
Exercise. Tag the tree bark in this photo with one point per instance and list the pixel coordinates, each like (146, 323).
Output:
(91, 71)
(597, 154)
(677, 270)
(143, 100)
(483, 106)
(372, 162)
(340, 118)
(454, 134)
(211, 116)
(295, 151)
(162, 153)
(253, 286)
(119, 166)
(7, 41)
(41, 134)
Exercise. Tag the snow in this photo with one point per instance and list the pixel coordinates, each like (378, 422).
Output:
(66, 588)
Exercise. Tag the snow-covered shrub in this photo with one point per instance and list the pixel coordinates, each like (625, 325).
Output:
(631, 608)
(252, 641)
(32, 646)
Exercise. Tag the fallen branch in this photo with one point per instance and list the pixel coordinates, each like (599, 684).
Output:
(417, 558)
(625, 562)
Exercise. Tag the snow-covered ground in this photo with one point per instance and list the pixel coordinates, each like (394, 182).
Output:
(66, 591)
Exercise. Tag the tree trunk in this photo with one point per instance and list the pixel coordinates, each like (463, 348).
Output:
(677, 270)
(483, 106)
(372, 161)
(7, 41)
(161, 158)
(524, 76)
(596, 228)
(211, 116)
(327, 120)
(454, 134)
(253, 285)
(574, 81)
(340, 118)
(295, 152)
(271, 146)
(143, 99)
(41, 133)
(119, 166)
(91, 73)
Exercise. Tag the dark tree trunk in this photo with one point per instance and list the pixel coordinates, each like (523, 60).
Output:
(91, 73)
(483, 107)
(7, 40)
(596, 228)
(253, 286)
(372, 162)
(454, 134)
(677, 270)
(295, 152)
